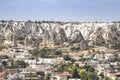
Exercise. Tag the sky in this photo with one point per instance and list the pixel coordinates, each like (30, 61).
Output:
(60, 10)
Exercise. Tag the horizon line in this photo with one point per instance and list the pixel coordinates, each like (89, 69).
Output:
(29, 20)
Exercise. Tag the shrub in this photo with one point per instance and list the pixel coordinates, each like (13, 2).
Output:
(116, 46)
(74, 48)
(2, 47)
(58, 52)
(66, 57)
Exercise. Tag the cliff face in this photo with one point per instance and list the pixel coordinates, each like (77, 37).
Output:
(95, 33)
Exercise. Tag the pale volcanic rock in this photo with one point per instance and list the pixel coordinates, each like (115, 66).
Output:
(53, 38)
(61, 36)
(98, 37)
(46, 37)
(83, 45)
(77, 36)
(60, 32)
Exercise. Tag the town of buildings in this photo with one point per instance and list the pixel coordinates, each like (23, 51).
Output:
(35, 51)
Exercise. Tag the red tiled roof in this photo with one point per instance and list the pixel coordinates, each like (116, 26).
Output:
(55, 69)
(118, 73)
(1, 79)
(65, 74)
(2, 73)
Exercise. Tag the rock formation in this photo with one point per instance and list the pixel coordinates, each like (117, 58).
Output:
(77, 36)
(46, 37)
(61, 36)
(60, 32)
(98, 37)
(53, 38)
(83, 45)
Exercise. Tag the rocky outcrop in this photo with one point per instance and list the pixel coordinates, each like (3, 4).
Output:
(61, 36)
(53, 38)
(77, 36)
(98, 37)
(112, 33)
(83, 45)
(60, 32)
(46, 37)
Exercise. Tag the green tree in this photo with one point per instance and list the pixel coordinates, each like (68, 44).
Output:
(88, 68)
(35, 52)
(58, 52)
(21, 64)
(61, 68)
(83, 74)
(4, 64)
(92, 76)
(101, 75)
(66, 57)
(1, 69)
(41, 73)
(2, 47)
(75, 74)
(91, 69)
(116, 46)
(74, 48)
(43, 53)
(48, 76)
(20, 38)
